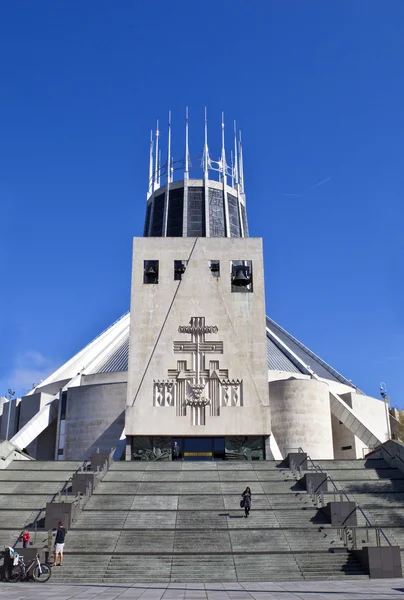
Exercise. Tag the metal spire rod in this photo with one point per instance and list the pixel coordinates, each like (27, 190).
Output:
(186, 143)
(223, 158)
(159, 171)
(232, 168)
(156, 171)
(235, 155)
(240, 145)
(205, 149)
(223, 168)
(168, 172)
(150, 188)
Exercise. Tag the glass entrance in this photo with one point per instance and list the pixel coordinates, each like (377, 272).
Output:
(198, 448)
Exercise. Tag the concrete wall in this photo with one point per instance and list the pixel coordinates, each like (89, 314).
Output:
(94, 419)
(300, 414)
(157, 311)
(45, 443)
(29, 407)
(372, 413)
(13, 408)
(342, 438)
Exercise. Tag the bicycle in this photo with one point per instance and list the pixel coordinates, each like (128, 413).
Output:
(19, 571)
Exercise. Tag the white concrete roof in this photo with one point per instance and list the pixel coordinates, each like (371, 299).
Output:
(108, 353)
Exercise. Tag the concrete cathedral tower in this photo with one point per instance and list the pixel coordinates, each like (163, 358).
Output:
(196, 363)
(197, 370)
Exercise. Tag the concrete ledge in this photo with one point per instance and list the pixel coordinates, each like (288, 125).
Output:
(318, 481)
(299, 458)
(58, 511)
(81, 481)
(31, 552)
(383, 562)
(28, 554)
(341, 514)
(98, 460)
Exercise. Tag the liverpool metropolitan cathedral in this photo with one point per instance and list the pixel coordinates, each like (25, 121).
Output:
(196, 361)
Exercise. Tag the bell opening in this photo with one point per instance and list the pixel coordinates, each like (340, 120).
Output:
(179, 269)
(241, 276)
(151, 271)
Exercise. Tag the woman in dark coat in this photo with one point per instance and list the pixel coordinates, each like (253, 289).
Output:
(246, 501)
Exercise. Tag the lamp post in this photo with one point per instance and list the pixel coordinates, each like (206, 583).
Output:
(383, 393)
(10, 395)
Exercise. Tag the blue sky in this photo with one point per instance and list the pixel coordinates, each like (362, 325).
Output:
(317, 88)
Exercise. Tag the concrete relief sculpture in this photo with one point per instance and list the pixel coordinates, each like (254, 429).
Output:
(198, 385)
(244, 447)
(151, 448)
(163, 393)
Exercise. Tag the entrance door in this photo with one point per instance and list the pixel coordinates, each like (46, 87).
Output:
(198, 448)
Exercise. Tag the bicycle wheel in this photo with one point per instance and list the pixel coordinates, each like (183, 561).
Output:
(14, 573)
(42, 574)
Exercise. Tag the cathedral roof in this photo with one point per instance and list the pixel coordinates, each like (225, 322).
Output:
(109, 352)
(284, 353)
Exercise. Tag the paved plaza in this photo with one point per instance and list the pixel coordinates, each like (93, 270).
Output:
(389, 589)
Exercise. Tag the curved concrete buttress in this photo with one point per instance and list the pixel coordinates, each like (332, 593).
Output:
(301, 416)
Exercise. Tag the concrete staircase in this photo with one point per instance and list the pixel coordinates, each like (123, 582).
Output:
(377, 488)
(178, 522)
(25, 488)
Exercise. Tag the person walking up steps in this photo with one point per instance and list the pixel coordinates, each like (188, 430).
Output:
(59, 544)
(246, 501)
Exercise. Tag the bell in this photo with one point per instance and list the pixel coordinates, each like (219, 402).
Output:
(179, 269)
(241, 277)
(150, 274)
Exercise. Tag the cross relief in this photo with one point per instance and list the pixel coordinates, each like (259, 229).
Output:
(198, 383)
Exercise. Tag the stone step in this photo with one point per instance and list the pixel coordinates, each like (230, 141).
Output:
(195, 488)
(198, 519)
(193, 501)
(8, 487)
(382, 499)
(364, 474)
(29, 501)
(47, 465)
(267, 568)
(12, 518)
(35, 487)
(244, 477)
(8, 537)
(34, 476)
(196, 466)
(179, 521)
(374, 463)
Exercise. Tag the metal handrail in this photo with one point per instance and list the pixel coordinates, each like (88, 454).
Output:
(80, 500)
(318, 498)
(34, 524)
(348, 535)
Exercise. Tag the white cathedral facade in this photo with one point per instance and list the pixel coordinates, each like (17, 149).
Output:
(196, 361)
